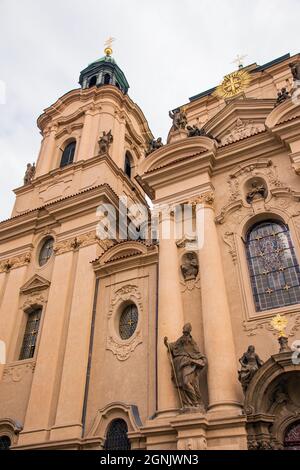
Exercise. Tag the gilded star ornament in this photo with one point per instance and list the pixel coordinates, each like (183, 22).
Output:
(233, 84)
(279, 324)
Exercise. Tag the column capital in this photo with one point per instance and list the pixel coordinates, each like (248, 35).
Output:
(206, 199)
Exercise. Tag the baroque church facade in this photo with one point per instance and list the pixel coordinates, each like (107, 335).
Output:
(92, 326)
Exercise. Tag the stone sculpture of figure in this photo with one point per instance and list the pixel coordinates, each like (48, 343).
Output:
(179, 119)
(30, 172)
(282, 96)
(190, 266)
(295, 68)
(154, 144)
(195, 131)
(187, 362)
(104, 142)
(257, 191)
(250, 363)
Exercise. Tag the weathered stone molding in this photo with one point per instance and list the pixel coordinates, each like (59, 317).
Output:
(16, 372)
(15, 262)
(74, 243)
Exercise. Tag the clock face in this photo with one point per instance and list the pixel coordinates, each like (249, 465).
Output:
(233, 84)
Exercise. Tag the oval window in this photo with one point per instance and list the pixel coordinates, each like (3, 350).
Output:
(128, 321)
(46, 251)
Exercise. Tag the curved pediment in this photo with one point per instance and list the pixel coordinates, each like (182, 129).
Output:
(241, 118)
(123, 250)
(288, 110)
(171, 153)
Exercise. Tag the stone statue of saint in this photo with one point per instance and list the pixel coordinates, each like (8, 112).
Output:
(187, 364)
(250, 363)
(282, 96)
(190, 267)
(179, 119)
(154, 144)
(295, 68)
(105, 142)
(30, 172)
(257, 191)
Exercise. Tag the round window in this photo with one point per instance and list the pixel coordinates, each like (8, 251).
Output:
(128, 321)
(46, 251)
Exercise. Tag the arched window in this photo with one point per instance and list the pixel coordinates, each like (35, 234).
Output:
(128, 321)
(106, 79)
(46, 251)
(128, 165)
(5, 443)
(31, 333)
(68, 154)
(93, 81)
(273, 266)
(292, 437)
(116, 437)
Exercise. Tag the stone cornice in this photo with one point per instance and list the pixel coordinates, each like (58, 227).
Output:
(56, 211)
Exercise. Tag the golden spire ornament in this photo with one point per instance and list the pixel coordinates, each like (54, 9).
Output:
(108, 46)
(279, 324)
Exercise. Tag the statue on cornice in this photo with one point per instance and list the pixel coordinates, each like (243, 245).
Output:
(250, 362)
(153, 145)
(30, 172)
(179, 119)
(187, 363)
(282, 96)
(105, 142)
(195, 131)
(295, 68)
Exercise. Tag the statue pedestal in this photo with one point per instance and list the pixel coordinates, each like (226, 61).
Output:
(191, 427)
(175, 136)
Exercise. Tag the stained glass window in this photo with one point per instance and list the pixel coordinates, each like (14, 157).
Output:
(116, 437)
(5, 443)
(292, 438)
(46, 251)
(30, 335)
(273, 266)
(68, 154)
(128, 321)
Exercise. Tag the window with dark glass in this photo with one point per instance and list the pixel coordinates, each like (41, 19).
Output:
(46, 251)
(127, 168)
(116, 437)
(30, 335)
(106, 79)
(5, 443)
(68, 155)
(273, 266)
(93, 81)
(128, 321)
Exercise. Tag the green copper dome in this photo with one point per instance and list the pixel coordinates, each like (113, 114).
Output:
(104, 71)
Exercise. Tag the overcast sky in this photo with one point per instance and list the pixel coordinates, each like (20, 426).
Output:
(169, 50)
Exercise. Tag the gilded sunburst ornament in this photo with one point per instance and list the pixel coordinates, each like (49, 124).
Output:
(233, 84)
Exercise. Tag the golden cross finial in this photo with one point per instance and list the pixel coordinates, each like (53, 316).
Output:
(108, 46)
(239, 60)
(280, 323)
